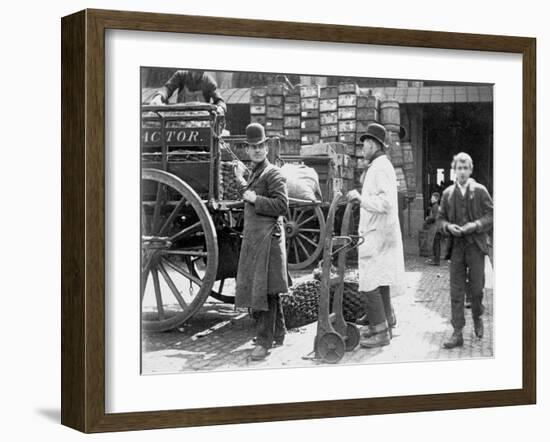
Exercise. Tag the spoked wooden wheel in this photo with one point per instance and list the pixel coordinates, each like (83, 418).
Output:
(305, 230)
(177, 237)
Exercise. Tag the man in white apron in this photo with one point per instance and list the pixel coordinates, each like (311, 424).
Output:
(192, 86)
(381, 261)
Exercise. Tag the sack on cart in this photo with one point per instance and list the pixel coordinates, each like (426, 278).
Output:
(302, 182)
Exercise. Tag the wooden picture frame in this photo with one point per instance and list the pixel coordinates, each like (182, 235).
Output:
(83, 219)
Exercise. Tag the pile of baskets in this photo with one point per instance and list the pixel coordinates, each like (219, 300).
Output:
(301, 304)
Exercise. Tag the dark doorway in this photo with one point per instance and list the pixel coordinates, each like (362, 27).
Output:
(453, 128)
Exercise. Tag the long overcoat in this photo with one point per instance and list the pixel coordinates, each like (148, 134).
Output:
(262, 261)
(381, 260)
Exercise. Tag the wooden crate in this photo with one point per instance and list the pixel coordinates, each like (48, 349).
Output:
(347, 113)
(260, 91)
(292, 134)
(257, 101)
(292, 98)
(291, 109)
(329, 131)
(313, 113)
(367, 114)
(328, 139)
(328, 117)
(348, 88)
(292, 121)
(371, 101)
(271, 124)
(329, 92)
(257, 110)
(310, 125)
(347, 137)
(347, 126)
(290, 147)
(328, 105)
(323, 149)
(273, 133)
(309, 91)
(275, 112)
(311, 138)
(309, 104)
(346, 100)
(258, 119)
(274, 100)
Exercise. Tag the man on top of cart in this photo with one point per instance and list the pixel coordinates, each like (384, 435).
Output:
(192, 85)
(262, 271)
(381, 261)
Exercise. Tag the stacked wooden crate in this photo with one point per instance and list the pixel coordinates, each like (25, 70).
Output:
(291, 123)
(309, 124)
(328, 114)
(409, 168)
(274, 109)
(347, 116)
(390, 117)
(332, 165)
(258, 104)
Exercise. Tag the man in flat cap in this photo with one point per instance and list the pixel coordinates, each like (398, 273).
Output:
(262, 271)
(381, 261)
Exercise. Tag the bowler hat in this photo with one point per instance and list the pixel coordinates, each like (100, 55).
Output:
(255, 133)
(376, 132)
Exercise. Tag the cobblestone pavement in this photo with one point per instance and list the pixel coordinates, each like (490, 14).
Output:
(220, 337)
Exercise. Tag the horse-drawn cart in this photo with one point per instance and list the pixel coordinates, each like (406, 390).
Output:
(191, 216)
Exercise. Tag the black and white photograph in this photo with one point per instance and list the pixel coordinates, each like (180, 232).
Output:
(299, 220)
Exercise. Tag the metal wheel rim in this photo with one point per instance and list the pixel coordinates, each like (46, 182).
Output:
(330, 347)
(352, 336)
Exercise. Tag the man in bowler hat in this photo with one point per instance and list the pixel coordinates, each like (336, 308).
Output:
(262, 271)
(381, 261)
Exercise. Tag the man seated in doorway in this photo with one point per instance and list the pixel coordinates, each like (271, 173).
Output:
(434, 236)
(466, 214)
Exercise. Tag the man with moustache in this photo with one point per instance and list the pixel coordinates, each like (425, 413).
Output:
(381, 261)
(262, 271)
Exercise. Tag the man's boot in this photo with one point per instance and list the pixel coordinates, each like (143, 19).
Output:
(377, 336)
(478, 327)
(455, 340)
(363, 320)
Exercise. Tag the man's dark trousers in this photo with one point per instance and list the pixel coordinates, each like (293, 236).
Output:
(437, 248)
(467, 274)
(271, 323)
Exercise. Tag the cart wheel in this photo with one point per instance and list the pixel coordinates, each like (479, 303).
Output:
(352, 336)
(178, 236)
(330, 347)
(305, 230)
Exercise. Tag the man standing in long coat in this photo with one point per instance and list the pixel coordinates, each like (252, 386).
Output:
(262, 272)
(381, 261)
